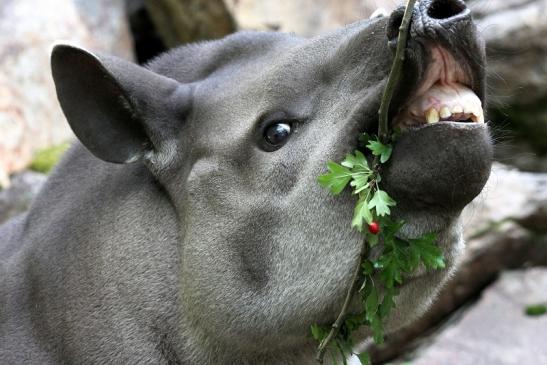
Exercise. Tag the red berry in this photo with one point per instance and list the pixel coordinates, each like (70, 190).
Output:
(374, 228)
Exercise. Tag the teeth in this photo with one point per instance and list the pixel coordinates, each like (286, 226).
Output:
(458, 113)
(443, 101)
(478, 118)
(469, 109)
(457, 109)
(445, 112)
(432, 115)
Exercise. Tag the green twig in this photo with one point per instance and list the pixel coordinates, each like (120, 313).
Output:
(394, 74)
(384, 136)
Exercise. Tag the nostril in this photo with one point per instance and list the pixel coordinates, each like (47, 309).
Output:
(442, 9)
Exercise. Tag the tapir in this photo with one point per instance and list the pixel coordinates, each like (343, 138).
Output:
(186, 225)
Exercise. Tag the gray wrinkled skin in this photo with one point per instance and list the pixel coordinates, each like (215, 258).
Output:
(210, 248)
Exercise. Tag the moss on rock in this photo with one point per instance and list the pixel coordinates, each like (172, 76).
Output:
(45, 159)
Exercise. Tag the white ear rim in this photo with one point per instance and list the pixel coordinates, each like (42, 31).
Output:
(378, 13)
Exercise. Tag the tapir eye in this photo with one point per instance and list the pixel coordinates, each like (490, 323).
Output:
(273, 130)
(277, 134)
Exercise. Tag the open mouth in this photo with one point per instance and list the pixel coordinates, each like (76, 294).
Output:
(445, 94)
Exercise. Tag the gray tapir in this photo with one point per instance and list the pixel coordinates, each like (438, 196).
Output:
(187, 227)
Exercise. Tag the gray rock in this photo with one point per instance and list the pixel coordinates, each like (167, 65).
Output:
(30, 117)
(185, 21)
(305, 17)
(509, 196)
(18, 197)
(496, 330)
(516, 36)
(515, 32)
(521, 155)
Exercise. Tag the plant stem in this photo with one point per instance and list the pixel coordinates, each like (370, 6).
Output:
(335, 328)
(384, 136)
(394, 74)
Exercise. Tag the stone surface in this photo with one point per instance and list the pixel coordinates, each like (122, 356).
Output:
(509, 196)
(515, 32)
(505, 227)
(157, 25)
(30, 117)
(516, 37)
(495, 330)
(521, 155)
(305, 17)
(18, 197)
(184, 21)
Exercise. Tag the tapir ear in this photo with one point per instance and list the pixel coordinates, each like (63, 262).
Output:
(120, 111)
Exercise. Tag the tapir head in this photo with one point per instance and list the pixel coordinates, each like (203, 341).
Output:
(237, 132)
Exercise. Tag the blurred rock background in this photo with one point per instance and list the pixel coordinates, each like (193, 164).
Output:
(480, 317)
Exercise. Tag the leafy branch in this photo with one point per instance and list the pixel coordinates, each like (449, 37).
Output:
(376, 281)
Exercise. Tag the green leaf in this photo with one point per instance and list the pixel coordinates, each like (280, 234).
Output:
(380, 149)
(371, 304)
(366, 290)
(413, 257)
(389, 265)
(318, 332)
(337, 179)
(364, 357)
(387, 303)
(360, 182)
(358, 160)
(368, 269)
(430, 254)
(354, 321)
(381, 202)
(391, 228)
(372, 239)
(361, 214)
(389, 276)
(377, 329)
(536, 309)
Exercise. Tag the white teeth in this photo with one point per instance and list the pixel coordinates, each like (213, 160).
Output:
(445, 112)
(457, 109)
(478, 118)
(448, 101)
(469, 109)
(432, 115)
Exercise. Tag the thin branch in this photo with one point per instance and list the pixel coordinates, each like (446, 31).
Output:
(335, 328)
(383, 133)
(394, 74)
